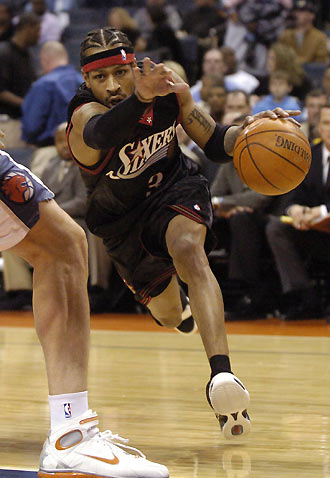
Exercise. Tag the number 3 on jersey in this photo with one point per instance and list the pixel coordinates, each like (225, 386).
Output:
(154, 182)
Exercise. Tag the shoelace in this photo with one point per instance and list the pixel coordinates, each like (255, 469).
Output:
(115, 440)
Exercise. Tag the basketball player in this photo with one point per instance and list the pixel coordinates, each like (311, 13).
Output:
(34, 227)
(148, 202)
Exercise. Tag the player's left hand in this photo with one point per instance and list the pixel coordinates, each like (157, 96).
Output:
(273, 114)
(155, 80)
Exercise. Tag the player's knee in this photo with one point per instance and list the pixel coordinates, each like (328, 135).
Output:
(75, 243)
(184, 247)
(171, 317)
(188, 255)
(67, 250)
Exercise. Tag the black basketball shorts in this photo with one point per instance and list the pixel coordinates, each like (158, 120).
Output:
(141, 256)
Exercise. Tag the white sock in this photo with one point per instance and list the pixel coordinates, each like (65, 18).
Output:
(64, 408)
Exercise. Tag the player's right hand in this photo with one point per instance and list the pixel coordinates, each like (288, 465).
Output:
(155, 80)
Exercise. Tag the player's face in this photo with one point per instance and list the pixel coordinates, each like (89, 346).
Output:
(324, 126)
(111, 84)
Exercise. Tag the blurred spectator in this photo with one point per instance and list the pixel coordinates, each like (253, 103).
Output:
(51, 28)
(205, 20)
(120, 18)
(250, 32)
(162, 35)
(309, 43)
(178, 68)
(208, 81)
(236, 79)
(326, 82)
(264, 20)
(6, 24)
(315, 99)
(45, 104)
(16, 75)
(250, 54)
(61, 8)
(63, 177)
(212, 64)
(189, 148)
(237, 104)
(295, 246)
(278, 58)
(142, 17)
(216, 100)
(280, 87)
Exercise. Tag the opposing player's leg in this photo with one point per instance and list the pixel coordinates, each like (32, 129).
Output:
(56, 247)
(226, 394)
(172, 309)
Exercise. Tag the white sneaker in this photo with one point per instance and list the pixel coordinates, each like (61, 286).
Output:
(80, 450)
(188, 325)
(229, 399)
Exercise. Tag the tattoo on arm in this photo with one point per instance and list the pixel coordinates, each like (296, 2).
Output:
(197, 115)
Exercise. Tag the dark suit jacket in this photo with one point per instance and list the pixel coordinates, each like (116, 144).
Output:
(311, 191)
(70, 192)
(228, 185)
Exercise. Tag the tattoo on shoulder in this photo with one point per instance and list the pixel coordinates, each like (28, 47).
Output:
(197, 115)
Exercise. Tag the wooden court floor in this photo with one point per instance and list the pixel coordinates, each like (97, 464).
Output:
(148, 384)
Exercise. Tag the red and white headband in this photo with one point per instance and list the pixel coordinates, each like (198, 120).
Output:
(116, 56)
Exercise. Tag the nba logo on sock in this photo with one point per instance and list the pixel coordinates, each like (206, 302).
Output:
(67, 410)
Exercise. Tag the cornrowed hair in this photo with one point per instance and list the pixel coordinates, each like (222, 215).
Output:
(103, 38)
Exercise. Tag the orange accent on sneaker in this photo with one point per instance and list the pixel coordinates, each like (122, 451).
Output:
(86, 420)
(113, 461)
(58, 445)
(59, 474)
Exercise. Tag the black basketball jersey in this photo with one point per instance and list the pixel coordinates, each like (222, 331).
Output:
(129, 178)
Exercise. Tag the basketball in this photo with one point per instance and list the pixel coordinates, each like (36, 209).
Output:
(272, 156)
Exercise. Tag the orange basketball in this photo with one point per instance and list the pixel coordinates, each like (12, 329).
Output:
(272, 156)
